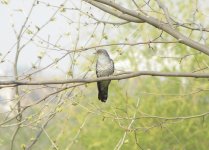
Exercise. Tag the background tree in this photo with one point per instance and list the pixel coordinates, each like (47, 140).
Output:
(47, 51)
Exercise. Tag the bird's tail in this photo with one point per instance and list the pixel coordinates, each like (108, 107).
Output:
(103, 91)
(102, 95)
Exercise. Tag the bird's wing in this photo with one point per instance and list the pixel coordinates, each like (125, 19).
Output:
(97, 69)
(113, 65)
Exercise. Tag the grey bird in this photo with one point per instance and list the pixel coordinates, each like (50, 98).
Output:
(104, 67)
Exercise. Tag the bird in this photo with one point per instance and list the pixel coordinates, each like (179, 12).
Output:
(104, 67)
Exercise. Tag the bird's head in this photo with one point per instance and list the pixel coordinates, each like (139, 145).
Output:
(101, 52)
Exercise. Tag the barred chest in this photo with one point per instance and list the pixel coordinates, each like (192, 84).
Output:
(104, 67)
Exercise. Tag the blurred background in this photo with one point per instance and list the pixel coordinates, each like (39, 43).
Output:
(56, 40)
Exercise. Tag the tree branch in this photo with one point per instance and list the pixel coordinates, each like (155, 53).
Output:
(156, 23)
(125, 75)
(114, 12)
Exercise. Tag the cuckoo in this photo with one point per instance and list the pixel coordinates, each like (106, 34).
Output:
(104, 67)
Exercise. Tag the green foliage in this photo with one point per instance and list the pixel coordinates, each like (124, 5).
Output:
(94, 125)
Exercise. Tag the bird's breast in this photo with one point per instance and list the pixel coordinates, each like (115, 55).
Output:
(104, 69)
